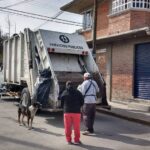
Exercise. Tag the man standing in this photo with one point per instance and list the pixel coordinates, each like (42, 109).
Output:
(72, 100)
(89, 88)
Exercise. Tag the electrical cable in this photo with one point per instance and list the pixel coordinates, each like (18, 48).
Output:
(58, 14)
(54, 17)
(38, 15)
(18, 3)
(40, 18)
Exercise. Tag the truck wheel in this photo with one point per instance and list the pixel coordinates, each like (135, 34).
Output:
(25, 97)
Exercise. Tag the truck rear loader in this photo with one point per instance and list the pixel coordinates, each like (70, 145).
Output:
(67, 56)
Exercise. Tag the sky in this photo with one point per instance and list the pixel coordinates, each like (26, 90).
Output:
(43, 7)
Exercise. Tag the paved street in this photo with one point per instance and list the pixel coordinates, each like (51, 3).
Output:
(48, 133)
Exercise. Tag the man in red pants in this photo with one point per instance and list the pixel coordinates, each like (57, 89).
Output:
(72, 100)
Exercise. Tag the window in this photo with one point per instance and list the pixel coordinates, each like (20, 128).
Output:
(121, 5)
(87, 20)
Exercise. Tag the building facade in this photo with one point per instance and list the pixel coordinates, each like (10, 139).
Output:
(122, 45)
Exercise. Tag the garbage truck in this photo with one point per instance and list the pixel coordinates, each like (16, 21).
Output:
(65, 55)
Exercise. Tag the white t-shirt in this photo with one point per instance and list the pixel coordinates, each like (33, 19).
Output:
(90, 96)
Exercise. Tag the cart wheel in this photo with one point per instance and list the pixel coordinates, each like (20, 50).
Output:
(25, 97)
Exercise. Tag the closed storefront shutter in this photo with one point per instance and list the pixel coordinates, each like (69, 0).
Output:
(142, 71)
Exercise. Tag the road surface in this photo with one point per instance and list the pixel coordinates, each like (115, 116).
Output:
(48, 133)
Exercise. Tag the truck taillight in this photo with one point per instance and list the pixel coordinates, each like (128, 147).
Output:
(50, 50)
(84, 52)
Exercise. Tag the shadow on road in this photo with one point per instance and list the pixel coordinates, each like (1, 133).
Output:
(28, 145)
(43, 130)
(90, 147)
(116, 129)
(53, 118)
(24, 143)
(106, 127)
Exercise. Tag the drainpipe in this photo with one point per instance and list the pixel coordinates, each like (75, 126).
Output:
(94, 28)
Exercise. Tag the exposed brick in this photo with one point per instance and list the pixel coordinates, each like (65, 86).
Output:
(122, 70)
(87, 35)
(120, 23)
(121, 82)
(139, 19)
(102, 18)
(125, 21)
(101, 62)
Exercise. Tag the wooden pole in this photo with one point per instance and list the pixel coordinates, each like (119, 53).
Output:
(94, 27)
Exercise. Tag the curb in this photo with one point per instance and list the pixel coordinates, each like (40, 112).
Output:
(109, 112)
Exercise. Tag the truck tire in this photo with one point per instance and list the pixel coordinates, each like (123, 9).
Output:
(25, 97)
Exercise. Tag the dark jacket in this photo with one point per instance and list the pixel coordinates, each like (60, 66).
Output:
(71, 100)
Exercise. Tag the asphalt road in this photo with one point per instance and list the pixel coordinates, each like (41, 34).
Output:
(48, 133)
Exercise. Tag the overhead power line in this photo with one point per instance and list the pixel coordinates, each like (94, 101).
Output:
(58, 14)
(18, 3)
(54, 17)
(38, 16)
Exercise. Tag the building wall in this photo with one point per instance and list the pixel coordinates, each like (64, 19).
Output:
(120, 76)
(112, 24)
(101, 62)
(119, 57)
(139, 19)
(122, 69)
(104, 62)
(119, 23)
(87, 34)
(102, 18)
(128, 20)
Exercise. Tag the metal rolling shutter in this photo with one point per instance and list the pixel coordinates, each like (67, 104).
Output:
(142, 71)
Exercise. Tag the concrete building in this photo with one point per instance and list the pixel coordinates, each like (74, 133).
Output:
(122, 45)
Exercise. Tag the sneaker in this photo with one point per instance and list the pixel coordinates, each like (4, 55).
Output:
(70, 143)
(86, 133)
(78, 143)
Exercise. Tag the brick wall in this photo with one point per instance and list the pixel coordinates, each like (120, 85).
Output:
(125, 21)
(87, 34)
(139, 19)
(122, 70)
(148, 18)
(102, 18)
(123, 67)
(120, 23)
(101, 63)
(128, 20)
(102, 21)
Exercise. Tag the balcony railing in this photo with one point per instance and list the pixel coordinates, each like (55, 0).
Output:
(122, 5)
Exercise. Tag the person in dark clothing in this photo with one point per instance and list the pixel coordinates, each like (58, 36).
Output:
(72, 100)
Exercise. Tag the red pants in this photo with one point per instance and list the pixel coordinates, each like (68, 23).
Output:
(72, 120)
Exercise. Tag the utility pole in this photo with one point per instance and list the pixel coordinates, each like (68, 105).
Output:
(94, 27)
(103, 85)
(15, 28)
(9, 25)
(0, 32)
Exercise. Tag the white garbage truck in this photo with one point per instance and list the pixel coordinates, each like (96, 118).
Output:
(67, 56)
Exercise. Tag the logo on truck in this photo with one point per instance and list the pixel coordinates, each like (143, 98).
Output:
(64, 38)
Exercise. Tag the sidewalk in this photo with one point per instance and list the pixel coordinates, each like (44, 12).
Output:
(123, 111)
